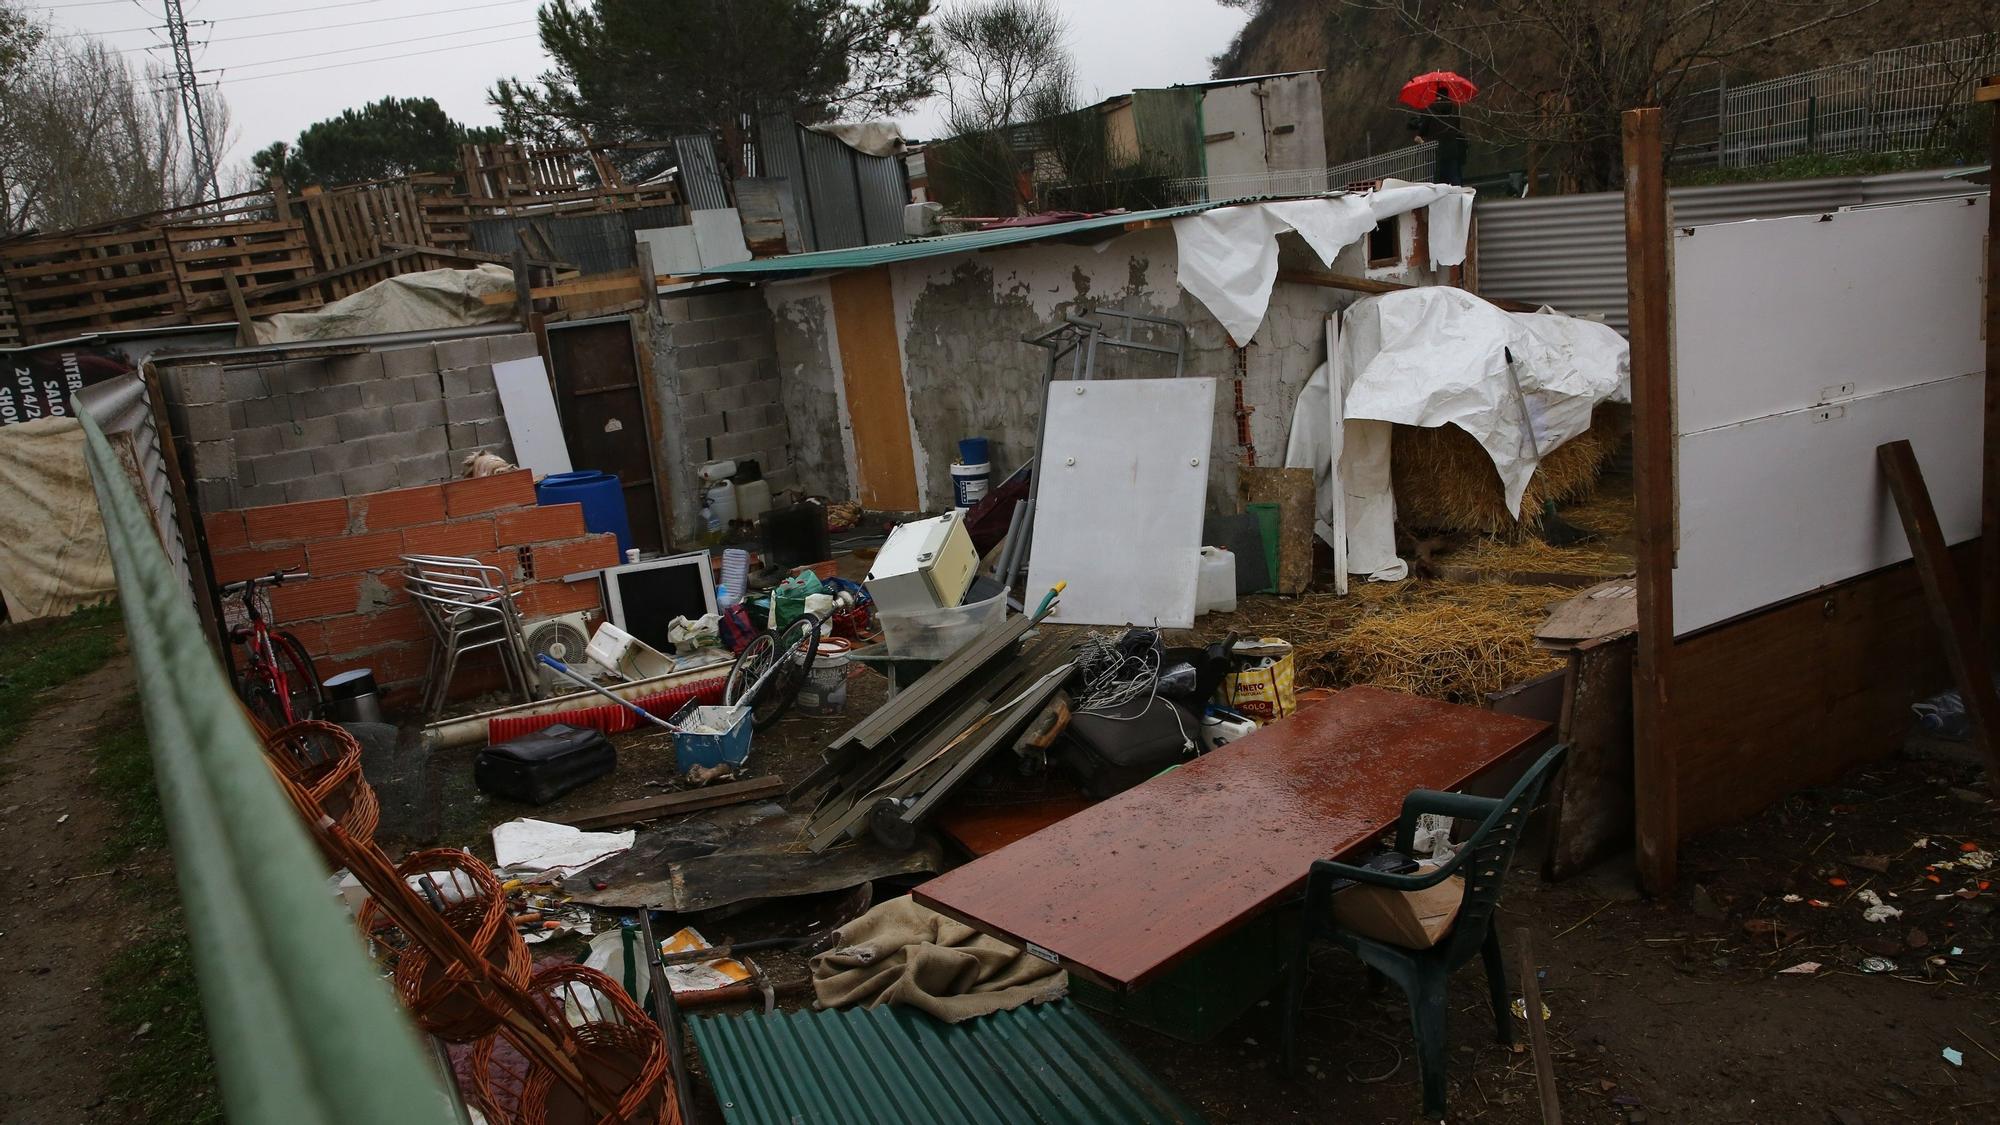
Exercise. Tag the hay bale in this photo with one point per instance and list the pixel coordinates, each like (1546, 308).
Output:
(1444, 481)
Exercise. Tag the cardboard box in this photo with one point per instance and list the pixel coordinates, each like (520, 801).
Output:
(1412, 919)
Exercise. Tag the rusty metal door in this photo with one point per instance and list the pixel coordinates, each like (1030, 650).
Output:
(601, 400)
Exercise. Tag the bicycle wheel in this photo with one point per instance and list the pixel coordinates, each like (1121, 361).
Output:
(792, 652)
(301, 677)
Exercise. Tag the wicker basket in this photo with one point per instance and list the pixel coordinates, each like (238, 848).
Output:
(442, 995)
(325, 761)
(617, 1046)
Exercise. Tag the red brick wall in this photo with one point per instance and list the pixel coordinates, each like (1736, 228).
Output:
(353, 611)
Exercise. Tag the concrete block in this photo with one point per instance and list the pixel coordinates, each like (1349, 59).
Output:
(713, 353)
(325, 401)
(259, 495)
(424, 470)
(367, 422)
(245, 382)
(215, 495)
(237, 420)
(313, 488)
(278, 468)
(698, 380)
(295, 377)
(462, 435)
(432, 439)
(470, 352)
(740, 372)
(709, 306)
(267, 411)
(363, 368)
(460, 381)
(213, 459)
(740, 397)
(787, 477)
(369, 478)
(208, 422)
(520, 345)
(493, 433)
(332, 460)
(752, 417)
(744, 326)
(724, 447)
(675, 310)
(770, 437)
(472, 408)
(762, 345)
(398, 362)
(309, 433)
(260, 441)
(198, 382)
(695, 332)
(418, 415)
(392, 392)
(396, 445)
(700, 426)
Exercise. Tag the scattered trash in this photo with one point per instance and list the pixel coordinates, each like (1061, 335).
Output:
(1836, 881)
(1877, 965)
(1803, 968)
(1976, 860)
(61, 819)
(1954, 1056)
(1878, 911)
(1879, 864)
(1821, 903)
(1795, 898)
(540, 846)
(1521, 1009)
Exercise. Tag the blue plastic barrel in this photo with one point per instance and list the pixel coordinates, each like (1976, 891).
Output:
(972, 451)
(602, 497)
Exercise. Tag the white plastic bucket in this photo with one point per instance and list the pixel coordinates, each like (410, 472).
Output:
(825, 690)
(968, 483)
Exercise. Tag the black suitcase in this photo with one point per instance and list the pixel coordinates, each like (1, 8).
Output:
(1111, 753)
(539, 767)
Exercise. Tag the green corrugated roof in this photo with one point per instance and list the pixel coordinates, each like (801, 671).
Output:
(1044, 1063)
(858, 257)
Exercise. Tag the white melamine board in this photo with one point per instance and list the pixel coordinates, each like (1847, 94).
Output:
(1124, 470)
(673, 249)
(718, 236)
(530, 407)
(1773, 315)
(1782, 505)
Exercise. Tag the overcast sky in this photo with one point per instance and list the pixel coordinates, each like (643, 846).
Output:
(284, 64)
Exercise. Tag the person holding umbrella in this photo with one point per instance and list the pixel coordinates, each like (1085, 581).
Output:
(1437, 96)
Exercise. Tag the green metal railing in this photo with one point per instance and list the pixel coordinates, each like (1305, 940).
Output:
(304, 1030)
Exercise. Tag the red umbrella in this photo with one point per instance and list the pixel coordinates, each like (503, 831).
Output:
(1421, 91)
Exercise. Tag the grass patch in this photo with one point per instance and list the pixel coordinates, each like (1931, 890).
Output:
(37, 657)
(165, 1076)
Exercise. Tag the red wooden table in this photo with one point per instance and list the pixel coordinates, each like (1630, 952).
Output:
(1123, 890)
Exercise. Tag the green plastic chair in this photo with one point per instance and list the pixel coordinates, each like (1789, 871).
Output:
(1424, 974)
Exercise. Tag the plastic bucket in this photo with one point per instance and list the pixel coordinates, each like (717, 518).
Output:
(825, 690)
(602, 497)
(968, 483)
(732, 746)
(973, 451)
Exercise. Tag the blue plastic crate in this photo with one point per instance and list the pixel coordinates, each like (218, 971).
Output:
(691, 750)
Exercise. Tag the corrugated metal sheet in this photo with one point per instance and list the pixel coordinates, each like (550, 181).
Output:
(596, 243)
(700, 175)
(120, 408)
(1569, 250)
(844, 196)
(911, 249)
(1046, 1063)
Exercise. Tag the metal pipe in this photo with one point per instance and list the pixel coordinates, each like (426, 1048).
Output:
(563, 670)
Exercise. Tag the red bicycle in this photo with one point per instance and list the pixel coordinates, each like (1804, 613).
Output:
(278, 681)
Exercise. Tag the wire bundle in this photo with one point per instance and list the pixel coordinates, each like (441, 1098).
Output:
(1112, 673)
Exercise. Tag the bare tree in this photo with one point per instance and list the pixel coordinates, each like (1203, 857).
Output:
(1557, 73)
(83, 138)
(1000, 56)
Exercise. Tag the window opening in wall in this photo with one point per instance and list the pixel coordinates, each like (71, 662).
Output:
(1384, 245)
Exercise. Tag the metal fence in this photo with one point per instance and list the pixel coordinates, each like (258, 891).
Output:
(844, 197)
(1413, 162)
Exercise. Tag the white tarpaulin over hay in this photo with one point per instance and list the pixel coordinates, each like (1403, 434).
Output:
(411, 302)
(1229, 255)
(53, 555)
(1439, 356)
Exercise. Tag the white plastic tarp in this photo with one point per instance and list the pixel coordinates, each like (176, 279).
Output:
(430, 300)
(1440, 356)
(1228, 256)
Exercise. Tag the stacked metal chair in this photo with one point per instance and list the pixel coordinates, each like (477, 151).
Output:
(469, 606)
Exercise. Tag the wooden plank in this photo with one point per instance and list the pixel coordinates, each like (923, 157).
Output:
(245, 332)
(871, 362)
(1970, 660)
(593, 285)
(1987, 589)
(1375, 288)
(1649, 280)
(1124, 890)
(674, 804)
(1590, 800)
(1538, 1031)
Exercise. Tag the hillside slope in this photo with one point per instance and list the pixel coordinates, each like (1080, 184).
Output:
(1368, 54)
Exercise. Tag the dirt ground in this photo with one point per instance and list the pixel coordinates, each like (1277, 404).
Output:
(63, 920)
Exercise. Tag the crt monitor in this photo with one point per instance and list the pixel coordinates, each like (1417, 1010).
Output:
(643, 597)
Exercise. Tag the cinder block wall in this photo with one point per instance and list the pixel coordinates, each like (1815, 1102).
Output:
(322, 428)
(725, 363)
(353, 612)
